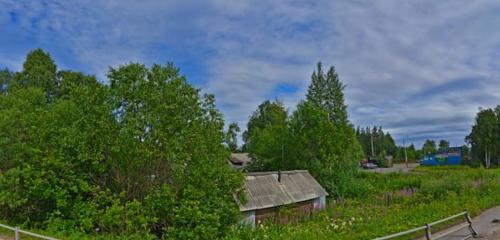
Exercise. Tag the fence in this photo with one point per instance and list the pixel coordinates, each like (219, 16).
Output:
(427, 227)
(18, 232)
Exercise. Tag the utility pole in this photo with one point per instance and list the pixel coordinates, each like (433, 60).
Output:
(373, 151)
(406, 156)
(282, 156)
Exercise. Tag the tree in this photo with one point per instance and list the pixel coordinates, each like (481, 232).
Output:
(443, 145)
(5, 78)
(39, 71)
(267, 114)
(382, 141)
(328, 150)
(484, 135)
(326, 92)
(324, 142)
(267, 137)
(317, 137)
(143, 155)
(58, 149)
(232, 136)
(429, 146)
(168, 132)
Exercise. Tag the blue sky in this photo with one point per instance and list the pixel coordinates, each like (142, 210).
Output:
(418, 68)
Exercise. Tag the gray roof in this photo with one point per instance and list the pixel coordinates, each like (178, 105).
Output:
(263, 190)
(240, 158)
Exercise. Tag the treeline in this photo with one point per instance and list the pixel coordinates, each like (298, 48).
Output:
(375, 142)
(317, 136)
(484, 137)
(142, 156)
(384, 145)
(379, 144)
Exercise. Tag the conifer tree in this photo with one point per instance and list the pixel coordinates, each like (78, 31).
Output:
(326, 92)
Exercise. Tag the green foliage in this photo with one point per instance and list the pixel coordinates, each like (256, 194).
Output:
(139, 158)
(317, 137)
(267, 114)
(382, 142)
(485, 135)
(391, 203)
(39, 71)
(326, 91)
(411, 153)
(267, 137)
(443, 144)
(5, 78)
(231, 137)
(429, 146)
(328, 150)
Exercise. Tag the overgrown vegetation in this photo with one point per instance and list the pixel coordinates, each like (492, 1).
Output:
(379, 205)
(142, 157)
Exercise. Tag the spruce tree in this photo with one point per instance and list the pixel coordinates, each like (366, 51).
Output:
(326, 92)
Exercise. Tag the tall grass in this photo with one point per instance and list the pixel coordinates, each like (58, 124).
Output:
(379, 204)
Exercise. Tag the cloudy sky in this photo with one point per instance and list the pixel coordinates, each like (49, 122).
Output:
(418, 68)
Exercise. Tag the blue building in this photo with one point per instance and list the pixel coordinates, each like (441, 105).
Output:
(451, 156)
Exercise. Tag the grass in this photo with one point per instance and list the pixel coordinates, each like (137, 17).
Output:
(379, 205)
(384, 204)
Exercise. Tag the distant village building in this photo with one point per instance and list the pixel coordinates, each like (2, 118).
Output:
(239, 160)
(448, 156)
(269, 192)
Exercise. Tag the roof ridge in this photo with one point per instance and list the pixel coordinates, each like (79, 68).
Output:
(275, 172)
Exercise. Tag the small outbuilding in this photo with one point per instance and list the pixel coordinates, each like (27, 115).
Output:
(268, 193)
(239, 160)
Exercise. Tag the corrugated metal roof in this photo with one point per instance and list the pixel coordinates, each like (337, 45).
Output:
(263, 190)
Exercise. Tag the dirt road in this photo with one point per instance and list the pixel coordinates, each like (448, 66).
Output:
(400, 167)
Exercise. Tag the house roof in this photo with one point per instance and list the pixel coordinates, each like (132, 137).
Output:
(239, 160)
(262, 189)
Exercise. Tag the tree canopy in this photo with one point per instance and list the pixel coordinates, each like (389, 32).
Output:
(142, 156)
(429, 146)
(267, 136)
(317, 136)
(383, 143)
(443, 144)
(5, 78)
(326, 91)
(231, 136)
(484, 136)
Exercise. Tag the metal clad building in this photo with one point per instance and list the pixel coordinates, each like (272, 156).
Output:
(451, 156)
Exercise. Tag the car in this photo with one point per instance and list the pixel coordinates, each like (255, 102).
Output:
(370, 166)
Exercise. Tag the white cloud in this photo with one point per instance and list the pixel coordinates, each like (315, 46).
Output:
(391, 54)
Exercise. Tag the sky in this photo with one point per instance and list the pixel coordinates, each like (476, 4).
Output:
(419, 69)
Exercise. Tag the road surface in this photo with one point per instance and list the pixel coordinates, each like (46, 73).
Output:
(399, 167)
(487, 225)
